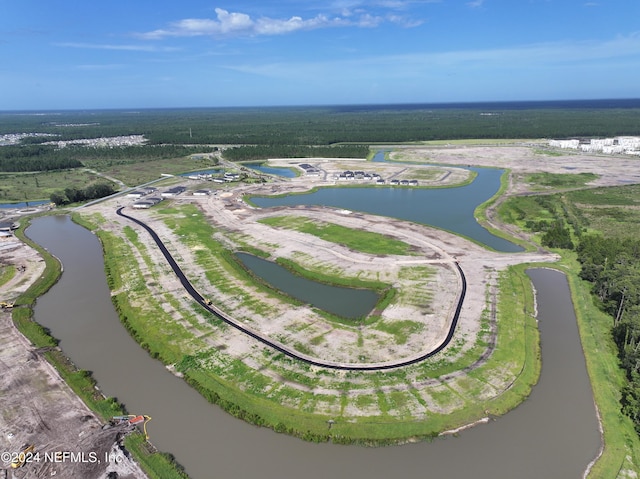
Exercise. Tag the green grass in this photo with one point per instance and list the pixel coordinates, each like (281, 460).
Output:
(400, 330)
(135, 172)
(558, 181)
(480, 213)
(614, 210)
(49, 277)
(18, 187)
(355, 239)
(141, 313)
(7, 273)
(544, 151)
(155, 465)
(38, 335)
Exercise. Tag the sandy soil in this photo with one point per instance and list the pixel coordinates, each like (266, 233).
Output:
(38, 407)
(612, 170)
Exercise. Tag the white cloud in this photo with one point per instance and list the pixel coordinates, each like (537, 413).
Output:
(229, 24)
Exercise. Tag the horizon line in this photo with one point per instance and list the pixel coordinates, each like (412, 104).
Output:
(133, 109)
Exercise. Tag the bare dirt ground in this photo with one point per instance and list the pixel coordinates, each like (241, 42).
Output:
(612, 170)
(38, 407)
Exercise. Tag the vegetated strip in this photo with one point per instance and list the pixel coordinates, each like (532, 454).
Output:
(221, 315)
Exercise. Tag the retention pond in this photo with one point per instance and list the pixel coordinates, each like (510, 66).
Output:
(348, 303)
(450, 209)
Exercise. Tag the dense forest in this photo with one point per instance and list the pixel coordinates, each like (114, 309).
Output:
(34, 158)
(259, 152)
(259, 133)
(335, 124)
(612, 265)
(29, 158)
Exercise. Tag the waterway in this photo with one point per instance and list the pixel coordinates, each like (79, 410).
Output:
(25, 204)
(552, 434)
(348, 303)
(272, 170)
(450, 209)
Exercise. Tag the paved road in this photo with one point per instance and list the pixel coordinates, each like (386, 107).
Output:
(190, 289)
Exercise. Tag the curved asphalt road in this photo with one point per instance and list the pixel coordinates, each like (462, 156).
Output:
(279, 347)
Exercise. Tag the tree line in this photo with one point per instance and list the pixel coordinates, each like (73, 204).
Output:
(34, 158)
(261, 152)
(329, 125)
(612, 265)
(76, 195)
(30, 158)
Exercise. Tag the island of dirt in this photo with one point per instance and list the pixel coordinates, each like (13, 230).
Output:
(427, 284)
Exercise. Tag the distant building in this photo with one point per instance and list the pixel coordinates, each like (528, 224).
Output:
(628, 145)
(175, 191)
(147, 203)
(7, 226)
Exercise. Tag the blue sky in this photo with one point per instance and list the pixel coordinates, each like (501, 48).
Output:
(68, 54)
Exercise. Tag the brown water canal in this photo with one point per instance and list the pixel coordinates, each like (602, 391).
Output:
(554, 434)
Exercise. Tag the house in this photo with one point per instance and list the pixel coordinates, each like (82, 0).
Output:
(147, 203)
(175, 191)
(7, 226)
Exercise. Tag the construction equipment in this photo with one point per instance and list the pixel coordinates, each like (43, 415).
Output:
(133, 420)
(22, 457)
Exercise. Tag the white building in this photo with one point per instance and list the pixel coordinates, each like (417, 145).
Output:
(573, 144)
(628, 145)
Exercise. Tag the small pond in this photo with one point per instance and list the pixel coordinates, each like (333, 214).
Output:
(345, 302)
(272, 170)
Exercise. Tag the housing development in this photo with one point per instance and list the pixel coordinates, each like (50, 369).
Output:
(410, 293)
